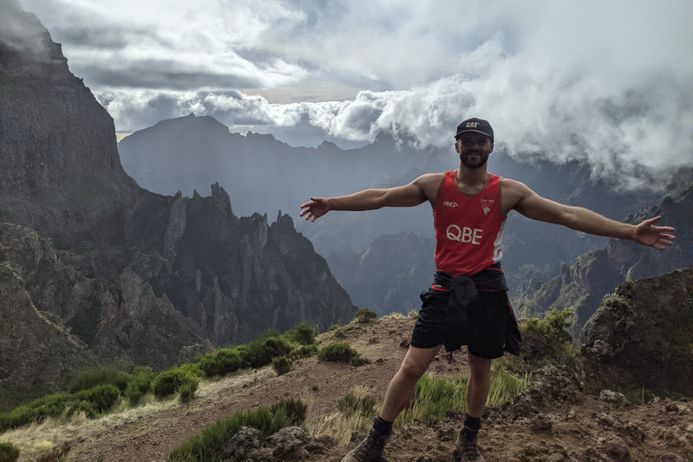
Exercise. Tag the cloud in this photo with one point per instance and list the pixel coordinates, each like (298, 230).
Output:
(556, 79)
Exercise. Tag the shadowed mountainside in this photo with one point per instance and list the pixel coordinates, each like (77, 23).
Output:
(108, 272)
(582, 285)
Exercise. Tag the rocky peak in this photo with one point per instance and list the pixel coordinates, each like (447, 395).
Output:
(640, 335)
(135, 277)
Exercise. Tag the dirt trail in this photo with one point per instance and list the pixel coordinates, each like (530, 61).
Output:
(151, 436)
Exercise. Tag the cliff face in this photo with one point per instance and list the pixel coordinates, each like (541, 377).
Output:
(640, 336)
(96, 270)
(59, 166)
(582, 285)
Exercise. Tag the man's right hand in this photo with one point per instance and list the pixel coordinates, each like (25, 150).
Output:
(317, 207)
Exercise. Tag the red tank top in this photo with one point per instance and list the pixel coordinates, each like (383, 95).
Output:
(468, 228)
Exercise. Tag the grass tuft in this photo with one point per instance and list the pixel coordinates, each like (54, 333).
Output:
(209, 444)
(365, 315)
(281, 364)
(434, 396)
(8, 453)
(358, 401)
(340, 352)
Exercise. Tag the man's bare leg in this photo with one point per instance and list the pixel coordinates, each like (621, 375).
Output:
(401, 387)
(479, 382)
(397, 397)
(477, 393)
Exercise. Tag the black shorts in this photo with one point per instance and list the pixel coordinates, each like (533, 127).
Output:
(484, 331)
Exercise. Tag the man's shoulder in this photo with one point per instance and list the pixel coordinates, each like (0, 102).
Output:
(509, 183)
(431, 178)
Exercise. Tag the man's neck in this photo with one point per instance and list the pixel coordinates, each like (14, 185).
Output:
(472, 176)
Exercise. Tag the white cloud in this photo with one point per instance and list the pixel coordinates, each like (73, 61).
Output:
(565, 79)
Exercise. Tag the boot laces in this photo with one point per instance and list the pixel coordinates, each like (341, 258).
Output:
(371, 448)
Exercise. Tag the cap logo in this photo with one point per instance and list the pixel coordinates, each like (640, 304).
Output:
(471, 125)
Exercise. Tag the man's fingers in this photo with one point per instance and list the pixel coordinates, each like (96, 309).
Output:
(668, 229)
(652, 220)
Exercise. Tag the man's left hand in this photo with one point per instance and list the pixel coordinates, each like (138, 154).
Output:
(659, 237)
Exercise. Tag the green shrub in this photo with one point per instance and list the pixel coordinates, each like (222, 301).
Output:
(365, 315)
(139, 385)
(357, 403)
(102, 397)
(281, 364)
(221, 362)
(8, 453)
(187, 391)
(260, 352)
(303, 334)
(303, 351)
(294, 409)
(90, 378)
(339, 352)
(209, 443)
(170, 381)
(92, 402)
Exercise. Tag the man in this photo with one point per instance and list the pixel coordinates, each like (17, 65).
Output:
(467, 303)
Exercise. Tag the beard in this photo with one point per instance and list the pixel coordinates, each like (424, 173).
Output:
(480, 159)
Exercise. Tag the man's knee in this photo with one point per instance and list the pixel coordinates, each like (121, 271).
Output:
(479, 366)
(413, 370)
(416, 362)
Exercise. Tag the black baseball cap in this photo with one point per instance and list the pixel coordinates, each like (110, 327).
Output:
(475, 125)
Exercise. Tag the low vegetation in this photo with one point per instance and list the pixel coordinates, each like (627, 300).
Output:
(95, 392)
(434, 396)
(90, 378)
(172, 380)
(208, 445)
(281, 364)
(340, 352)
(365, 315)
(93, 402)
(8, 453)
(358, 401)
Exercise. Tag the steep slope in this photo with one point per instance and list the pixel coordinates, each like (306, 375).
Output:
(582, 285)
(137, 277)
(640, 336)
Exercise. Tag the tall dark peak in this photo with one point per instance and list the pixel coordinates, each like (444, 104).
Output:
(112, 273)
(59, 165)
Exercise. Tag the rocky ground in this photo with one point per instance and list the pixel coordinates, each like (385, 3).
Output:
(552, 421)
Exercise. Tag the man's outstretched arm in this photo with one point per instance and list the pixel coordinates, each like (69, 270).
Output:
(532, 205)
(369, 199)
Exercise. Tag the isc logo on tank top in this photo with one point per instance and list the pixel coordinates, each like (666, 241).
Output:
(468, 228)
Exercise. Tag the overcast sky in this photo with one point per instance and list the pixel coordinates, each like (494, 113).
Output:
(610, 80)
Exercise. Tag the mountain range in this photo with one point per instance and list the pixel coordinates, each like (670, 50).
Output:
(95, 269)
(263, 173)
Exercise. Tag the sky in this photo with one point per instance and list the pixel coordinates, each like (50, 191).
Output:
(609, 81)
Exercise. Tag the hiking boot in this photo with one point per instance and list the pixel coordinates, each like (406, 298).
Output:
(466, 447)
(368, 450)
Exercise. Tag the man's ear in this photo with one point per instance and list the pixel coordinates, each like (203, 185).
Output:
(457, 146)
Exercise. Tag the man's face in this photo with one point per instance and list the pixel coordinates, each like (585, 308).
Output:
(474, 149)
